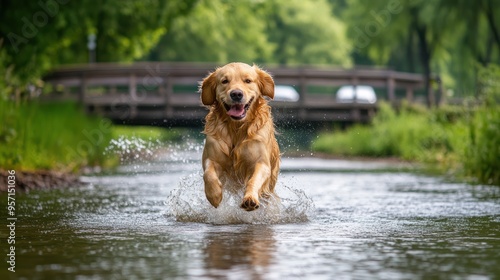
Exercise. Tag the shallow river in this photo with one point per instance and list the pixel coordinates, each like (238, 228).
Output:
(335, 220)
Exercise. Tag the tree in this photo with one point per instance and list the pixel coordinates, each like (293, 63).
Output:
(275, 31)
(307, 32)
(217, 31)
(38, 35)
(380, 28)
(478, 42)
(447, 37)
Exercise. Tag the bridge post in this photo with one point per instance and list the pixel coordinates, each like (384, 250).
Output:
(441, 93)
(132, 90)
(303, 93)
(167, 95)
(83, 89)
(355, 110)
(409, 94)
(391, 85)
(431, 97)
(355, 84)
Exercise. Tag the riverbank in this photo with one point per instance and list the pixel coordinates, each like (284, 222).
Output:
(49, 145)
(40, 179)
(452, 141)
(56, 136)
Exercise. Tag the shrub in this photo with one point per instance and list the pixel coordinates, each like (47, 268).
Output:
(50, 136)
(482, 156)
(411, 134)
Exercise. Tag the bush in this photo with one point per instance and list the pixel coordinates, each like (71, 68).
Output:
(50, 136)
(412, 134)
(482, 156)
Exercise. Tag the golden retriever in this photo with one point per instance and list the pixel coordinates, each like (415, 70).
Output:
(240, 141)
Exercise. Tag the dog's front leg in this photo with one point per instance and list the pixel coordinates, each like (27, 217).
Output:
(254, 187)
(212, 170)
(257, 170)
(213, 186)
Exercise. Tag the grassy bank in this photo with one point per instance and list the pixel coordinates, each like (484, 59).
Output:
(57, 136)
(452, 140)
(412, 134)
(61, 137)
(482, 152)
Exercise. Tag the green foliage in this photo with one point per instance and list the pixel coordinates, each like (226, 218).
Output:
(307, 32)
(482, 156)
(50, 136)
(445, 37)
(412, 134)
(39, 35)
(9, 83)
(277, 31)
(217, 31)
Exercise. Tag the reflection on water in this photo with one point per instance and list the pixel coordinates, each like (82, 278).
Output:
(370, 224)
(249, 252)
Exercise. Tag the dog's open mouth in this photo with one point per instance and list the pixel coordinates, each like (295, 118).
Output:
(238, 111)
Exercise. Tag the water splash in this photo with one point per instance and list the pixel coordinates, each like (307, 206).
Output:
(188, 204)
(184, 151)
(132, 148)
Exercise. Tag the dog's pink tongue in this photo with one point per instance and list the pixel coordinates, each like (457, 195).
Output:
(236, 110)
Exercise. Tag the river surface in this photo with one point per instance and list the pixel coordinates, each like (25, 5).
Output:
(335, 220)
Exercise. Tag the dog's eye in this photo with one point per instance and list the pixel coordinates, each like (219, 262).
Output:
(248, 81)
(225, 81)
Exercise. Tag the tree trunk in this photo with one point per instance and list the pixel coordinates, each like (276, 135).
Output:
(491, 22)
(409, 51)
(425, 58)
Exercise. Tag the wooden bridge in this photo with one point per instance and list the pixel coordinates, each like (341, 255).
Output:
(165, 94)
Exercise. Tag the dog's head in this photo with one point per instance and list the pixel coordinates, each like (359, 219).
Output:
(236, 87)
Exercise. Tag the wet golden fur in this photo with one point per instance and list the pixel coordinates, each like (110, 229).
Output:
(243, 150)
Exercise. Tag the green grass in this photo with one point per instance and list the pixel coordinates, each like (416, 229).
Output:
(450, 139)
(482, 153)
(413, 134)
(57, 136)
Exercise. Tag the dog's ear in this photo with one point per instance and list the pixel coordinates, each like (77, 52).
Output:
(265, 82)
(207, 88)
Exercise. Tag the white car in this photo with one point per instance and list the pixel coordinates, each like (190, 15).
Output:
(285, 93)
(364, 94)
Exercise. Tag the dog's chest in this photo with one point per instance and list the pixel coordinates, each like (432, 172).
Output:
(235, 157)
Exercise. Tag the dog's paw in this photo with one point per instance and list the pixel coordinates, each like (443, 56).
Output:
(215, 200)
(250, 204)
(214, 195)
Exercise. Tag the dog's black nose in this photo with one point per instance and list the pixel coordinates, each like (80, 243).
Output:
(236, 95)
